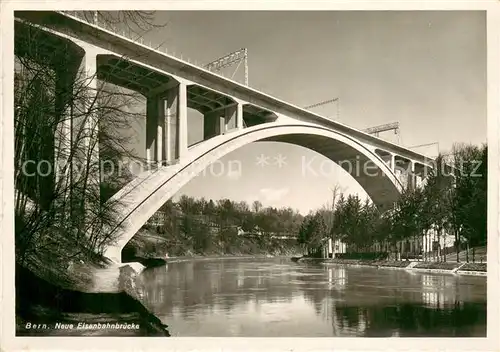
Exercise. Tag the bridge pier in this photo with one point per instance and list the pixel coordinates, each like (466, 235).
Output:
(87, 124)
(420, 174)
(77, 109)
(214, 125)
(63, 72)
(76, 143)
(412, 180)
(64, 91)
(230, 117)
(166, 125)
(156, 130)
(222, 120)
(387, 157)
(409, 172)
(239, 116)
(403, 169)
(182, 120)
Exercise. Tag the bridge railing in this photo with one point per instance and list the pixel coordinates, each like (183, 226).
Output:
(89, 17)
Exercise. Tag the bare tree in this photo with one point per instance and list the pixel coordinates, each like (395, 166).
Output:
(66, 124)
(139, 21)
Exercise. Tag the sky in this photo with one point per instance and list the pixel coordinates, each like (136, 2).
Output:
(425, 70)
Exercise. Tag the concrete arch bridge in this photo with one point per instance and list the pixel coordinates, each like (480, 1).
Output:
(233, 116)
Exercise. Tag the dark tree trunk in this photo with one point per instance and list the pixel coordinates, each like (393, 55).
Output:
(467, 252)
(444, 249)
(424, 245)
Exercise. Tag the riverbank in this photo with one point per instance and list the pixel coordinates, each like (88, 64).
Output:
(150, 262)
(102, 304)
(147, 246)
(477, 269)
(90, 299)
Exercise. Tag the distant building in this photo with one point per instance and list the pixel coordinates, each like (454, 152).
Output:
(257, 232)
(157, 219)
(331, 248)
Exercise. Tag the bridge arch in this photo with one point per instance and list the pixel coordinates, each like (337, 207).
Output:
(143, 196)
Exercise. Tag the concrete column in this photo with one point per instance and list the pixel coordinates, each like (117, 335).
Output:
(182, 120)
(171, 123)
(82, 130)
(92, 124)
(151, 123)
(64, 96)
(174, 119)
(167, 132)
(418, 181)
(393, 163)
(213, 124)
(155, 129)
(411, 176)
(62, 150)
(166, 125)
(85, 125)
(92, 121)
(405, 170)
(222, 125)
(239, 116)
(160, 130)
(231, 117)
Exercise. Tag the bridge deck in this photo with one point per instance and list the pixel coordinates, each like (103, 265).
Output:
(63, 23)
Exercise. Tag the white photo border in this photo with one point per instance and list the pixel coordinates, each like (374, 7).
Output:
(9, 342)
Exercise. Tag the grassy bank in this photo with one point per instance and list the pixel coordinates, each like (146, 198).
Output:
(430, 266)
(438, 265)
(474, 267)
(373, 263)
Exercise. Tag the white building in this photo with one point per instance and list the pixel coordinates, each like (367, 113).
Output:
(333, 247)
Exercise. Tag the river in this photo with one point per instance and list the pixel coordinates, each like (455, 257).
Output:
(274, 297)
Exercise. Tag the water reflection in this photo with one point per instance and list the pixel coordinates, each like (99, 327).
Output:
(280, 298)
(337, 278)
(436, 292)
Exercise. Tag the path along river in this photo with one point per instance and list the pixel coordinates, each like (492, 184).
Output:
(274, 297)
